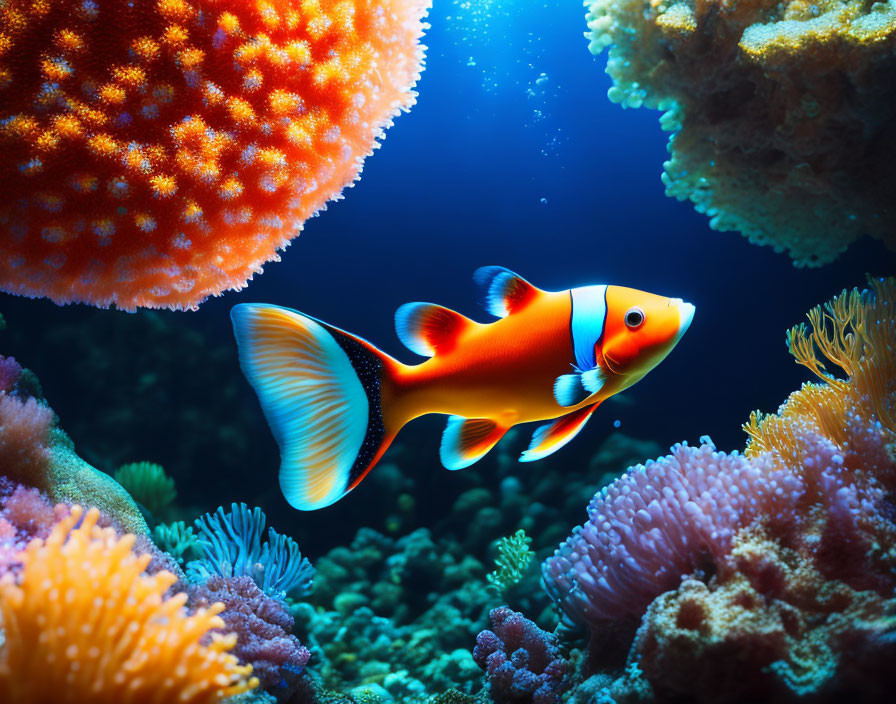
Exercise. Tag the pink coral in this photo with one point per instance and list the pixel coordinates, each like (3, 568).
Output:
(25, 514)
(24, 435)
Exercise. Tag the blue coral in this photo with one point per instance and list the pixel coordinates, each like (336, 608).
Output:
(231, 546)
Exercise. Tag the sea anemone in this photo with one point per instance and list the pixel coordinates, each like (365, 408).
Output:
(231, 545)
(157, 152)
(84, 623)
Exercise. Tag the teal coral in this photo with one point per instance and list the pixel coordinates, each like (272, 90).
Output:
(783, 115)
(149, 486)
(514, 557)
(232, 546)
(175, 538)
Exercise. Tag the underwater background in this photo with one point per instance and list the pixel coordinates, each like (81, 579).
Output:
(512, 156)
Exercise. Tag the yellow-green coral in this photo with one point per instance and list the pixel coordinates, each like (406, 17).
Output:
(148, 484)
(513, 558)
(784, 114)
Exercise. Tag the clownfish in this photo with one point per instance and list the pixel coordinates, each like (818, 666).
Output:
(335, 402)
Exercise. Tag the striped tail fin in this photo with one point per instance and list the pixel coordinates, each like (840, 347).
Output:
(319, 388)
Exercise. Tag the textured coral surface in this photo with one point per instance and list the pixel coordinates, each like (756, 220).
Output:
(783, 114)
(778, 566)
(158, 152)
(140, 646)
(263, 628)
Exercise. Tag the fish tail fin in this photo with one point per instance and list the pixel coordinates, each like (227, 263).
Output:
(320, 390)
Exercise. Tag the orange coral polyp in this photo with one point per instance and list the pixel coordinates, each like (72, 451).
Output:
(159, 152)
(87, 625)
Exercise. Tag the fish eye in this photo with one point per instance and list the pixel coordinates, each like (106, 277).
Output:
(634, 318)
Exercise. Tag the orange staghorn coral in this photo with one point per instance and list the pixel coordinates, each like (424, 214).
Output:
(856, 331)
(86, 624)
(159, 152)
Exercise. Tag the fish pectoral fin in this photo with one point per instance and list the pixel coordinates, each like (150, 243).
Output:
(572, 389)
(550, 437)
(569, 391)
(468, 440)
(428, 329)
(502, 291)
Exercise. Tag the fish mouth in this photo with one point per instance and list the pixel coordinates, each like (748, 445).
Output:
(685, 315)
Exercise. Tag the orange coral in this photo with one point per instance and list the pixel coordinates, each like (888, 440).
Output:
(87, 625)
(856, 331)
(158, 152)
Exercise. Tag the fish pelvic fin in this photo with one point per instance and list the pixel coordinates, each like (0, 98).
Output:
(320, 391)
(550, 437)
(503, 292)
(428, 329)
(467, 440)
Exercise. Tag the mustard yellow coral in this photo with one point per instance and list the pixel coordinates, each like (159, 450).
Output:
(87, 625)
(855, 331)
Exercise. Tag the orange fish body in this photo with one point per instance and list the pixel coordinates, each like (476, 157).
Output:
(335, 402)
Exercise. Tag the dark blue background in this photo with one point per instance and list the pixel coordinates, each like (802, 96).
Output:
(460, 182)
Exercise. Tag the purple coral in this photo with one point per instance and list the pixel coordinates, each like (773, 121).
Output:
(25, 514)
(263, 627)
(10, 371)
(658, 522)
(523, 662)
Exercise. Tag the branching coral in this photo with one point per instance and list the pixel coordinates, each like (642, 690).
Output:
(783, 114)
(161, 151)
(514, 557)
(140, 646)
(856, 331)
(148, 485)
(232, 546)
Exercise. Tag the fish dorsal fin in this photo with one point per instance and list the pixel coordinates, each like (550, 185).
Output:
(550, 437)
(502, 291)
(428, 329)
(467, 440)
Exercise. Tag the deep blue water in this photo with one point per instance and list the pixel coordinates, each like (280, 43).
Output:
(492, 167)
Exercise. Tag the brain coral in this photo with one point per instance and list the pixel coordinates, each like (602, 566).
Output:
(783, 114)
(157, 152)
(86, 624)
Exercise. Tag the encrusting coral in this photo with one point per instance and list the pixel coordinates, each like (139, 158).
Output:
(35, 452)
(140, 645)
(157, 152)
(782, 114)
(786, 552)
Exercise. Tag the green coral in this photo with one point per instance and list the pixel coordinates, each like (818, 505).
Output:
(148, 484)
(514, 557)
(175, 539)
